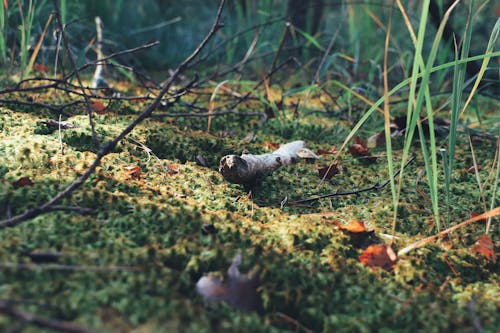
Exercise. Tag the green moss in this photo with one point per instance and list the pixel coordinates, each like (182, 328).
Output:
(153, 224)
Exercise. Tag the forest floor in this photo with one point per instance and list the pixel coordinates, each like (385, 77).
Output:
(162, 216)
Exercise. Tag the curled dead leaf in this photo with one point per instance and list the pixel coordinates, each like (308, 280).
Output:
(98, 107)
(23, 181)
(327, 172)
(484, 246)
(332, 150)
(360, 236)
(133, 171)
(271, 145)
(353, 227)
(379, 255)
(360, 149)
(40, 68)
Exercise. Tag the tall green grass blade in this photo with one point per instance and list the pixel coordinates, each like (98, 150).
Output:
(486, 59)
(495, 186)
(458, 86)
(310, 39)
(64, 11)
(3, 33)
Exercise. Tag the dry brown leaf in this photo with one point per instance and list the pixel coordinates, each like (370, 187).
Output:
(23, 181)
(327, 172)
(485, 247)
(379, 256)
(332, 150)
(133, 171)
(98, 107)
(271, 145)
(353, 227)
(40, 68)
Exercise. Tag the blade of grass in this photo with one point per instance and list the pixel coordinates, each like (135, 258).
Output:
(495, 186)
(3, 19)
(491, 213)
(387, 125)
(211, 105)
(38, 46)
(488, 55)
(458, 86)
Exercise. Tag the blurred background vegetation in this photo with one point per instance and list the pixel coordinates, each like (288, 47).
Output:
(306, 28)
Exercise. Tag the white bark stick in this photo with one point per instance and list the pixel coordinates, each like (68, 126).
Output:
(247, 168)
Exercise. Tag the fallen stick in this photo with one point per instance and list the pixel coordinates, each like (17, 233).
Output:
(248, 168)
(422, 242)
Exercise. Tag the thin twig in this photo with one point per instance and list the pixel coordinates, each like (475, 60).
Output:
(422, 242)
(72, 268)
(77, 75)
(109, 146)
(375, 187)
(10, 310)
(206, 114)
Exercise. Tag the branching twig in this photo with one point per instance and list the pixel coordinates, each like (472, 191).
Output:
(77, 75)
(375, 187)
(109, 146)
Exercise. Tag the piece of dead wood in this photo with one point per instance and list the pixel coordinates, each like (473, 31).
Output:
(248, 168)
(7, 308)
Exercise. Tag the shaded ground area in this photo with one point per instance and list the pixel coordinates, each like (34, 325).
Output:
(133, 263)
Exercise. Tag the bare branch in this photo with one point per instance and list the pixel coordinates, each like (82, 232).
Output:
(109, 146)
(29, 318)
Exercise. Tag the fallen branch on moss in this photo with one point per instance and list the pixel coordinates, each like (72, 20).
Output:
(108, 147)
(248, 168)
(10, 310)
(375, 187)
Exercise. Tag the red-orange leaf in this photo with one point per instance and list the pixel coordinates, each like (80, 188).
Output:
(23, 181)
(353, 227)
(379, 255)
(485, 247)
(332, 150)
(98, 107)
(133, 171)
(358, 150)
(271, 145)
(40, 68)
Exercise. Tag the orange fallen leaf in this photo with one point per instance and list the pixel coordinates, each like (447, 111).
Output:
(360, 236)
(332, 150)
(485, 247)
(98, 107)
(40, 68)
(379, 255)
(23, 181)
(134, 172)
(353, 226)
(172, 169)
(271, 145)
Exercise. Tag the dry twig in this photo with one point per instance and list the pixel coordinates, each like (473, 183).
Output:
(109, 146)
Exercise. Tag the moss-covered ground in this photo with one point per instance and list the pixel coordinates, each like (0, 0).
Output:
(151, 227)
